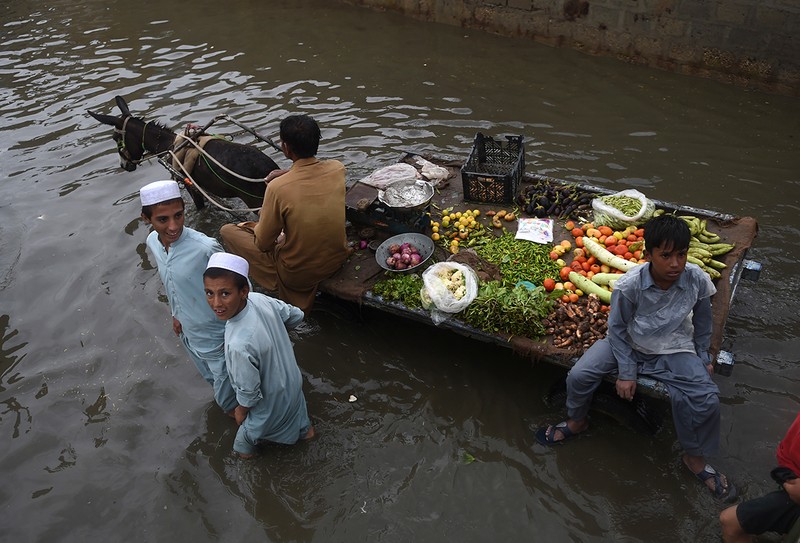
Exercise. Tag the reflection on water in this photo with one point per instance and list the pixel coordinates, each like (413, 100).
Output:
(107, 427)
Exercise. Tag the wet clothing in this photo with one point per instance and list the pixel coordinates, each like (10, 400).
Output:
(307, 205)
(181, 271)
(789, 448)
(264, 373)
(775, 512)
(679, 322)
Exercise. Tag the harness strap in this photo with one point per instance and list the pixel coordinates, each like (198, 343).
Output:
(189, 180)
(199, 148)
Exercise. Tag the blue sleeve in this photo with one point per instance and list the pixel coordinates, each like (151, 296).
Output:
(289, 314)
(245, 377)
(622, 312)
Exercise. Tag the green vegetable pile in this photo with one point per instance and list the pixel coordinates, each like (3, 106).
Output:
(519, 260)
(509, 310)
(629, 206)
(400, 288)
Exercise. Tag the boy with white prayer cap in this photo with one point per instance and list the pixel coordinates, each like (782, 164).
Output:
(181, 255)
(260, 357)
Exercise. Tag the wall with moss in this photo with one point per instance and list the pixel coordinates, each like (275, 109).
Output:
(753, 43)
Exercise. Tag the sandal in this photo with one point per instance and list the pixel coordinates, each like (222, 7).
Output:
(546, 434)
(723, 492)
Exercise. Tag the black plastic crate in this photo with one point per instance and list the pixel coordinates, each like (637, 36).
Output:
(494, 169)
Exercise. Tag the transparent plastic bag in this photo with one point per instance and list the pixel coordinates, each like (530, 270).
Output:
(395, 173)
(449, 288)
(606, 214)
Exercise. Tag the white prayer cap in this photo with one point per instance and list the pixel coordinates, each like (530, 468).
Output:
(228, 261)
(159, 191)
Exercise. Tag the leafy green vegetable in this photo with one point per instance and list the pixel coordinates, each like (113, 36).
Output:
(511, 310)
(519, 260)
(403, 288)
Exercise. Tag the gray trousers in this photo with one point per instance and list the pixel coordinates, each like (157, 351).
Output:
(693, 395)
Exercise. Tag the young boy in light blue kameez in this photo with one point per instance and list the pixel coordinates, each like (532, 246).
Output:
(181, 255)
(260, 357)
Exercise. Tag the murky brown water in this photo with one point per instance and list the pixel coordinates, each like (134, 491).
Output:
(107, 431)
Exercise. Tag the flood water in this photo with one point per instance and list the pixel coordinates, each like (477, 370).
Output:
(109, 433)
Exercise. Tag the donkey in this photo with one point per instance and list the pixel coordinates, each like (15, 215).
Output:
(136, 138)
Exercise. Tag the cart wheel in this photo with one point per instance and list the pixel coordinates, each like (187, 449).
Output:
(640, 414)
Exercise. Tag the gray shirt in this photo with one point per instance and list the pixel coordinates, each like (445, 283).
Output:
(647, 320)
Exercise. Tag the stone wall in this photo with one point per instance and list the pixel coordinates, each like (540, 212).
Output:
(752, 43)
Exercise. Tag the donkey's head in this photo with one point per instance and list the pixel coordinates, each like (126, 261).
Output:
(132, 136)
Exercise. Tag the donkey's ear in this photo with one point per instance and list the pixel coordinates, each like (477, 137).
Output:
(123, 107)
(107, 119)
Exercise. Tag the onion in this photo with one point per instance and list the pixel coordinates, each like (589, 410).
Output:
(391, 261)
(406, 258)
(397, 255)
(400, 266)
(394, 248)
(363, 244)
(415, 259)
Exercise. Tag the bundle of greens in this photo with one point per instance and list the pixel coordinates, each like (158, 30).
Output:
(400, 288)
(517, 311)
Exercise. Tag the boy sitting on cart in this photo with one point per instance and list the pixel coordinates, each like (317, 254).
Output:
(659, 326)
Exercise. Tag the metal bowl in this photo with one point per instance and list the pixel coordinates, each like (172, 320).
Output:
(423, 243)
(422, 186)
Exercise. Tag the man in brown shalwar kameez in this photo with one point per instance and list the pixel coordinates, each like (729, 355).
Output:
(300, 238)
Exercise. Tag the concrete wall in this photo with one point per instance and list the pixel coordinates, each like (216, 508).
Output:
(752, 43)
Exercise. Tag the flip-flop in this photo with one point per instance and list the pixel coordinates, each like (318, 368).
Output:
(544, 438)
(721, 492)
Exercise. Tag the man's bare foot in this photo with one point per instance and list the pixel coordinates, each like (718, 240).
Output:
(245, 456)
(309, 435)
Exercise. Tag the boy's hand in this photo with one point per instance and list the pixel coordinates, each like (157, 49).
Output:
(792, 488)
(240, 413)
(626, 389)
(176, 326)
(710, 368)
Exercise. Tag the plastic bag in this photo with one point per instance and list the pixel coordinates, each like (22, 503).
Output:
(605, 214)
(383, 177)
(449, 288)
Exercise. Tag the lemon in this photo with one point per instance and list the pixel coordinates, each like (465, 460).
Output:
(435, 236)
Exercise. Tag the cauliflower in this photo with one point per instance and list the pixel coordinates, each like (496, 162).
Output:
(454, 281)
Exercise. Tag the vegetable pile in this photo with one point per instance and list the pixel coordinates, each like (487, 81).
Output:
(577, 325)
(400, 288)
(456, 229)
(454, 281)
(517, 311)
(403, 256)
(546, 199)
(705, 246)
(519, 260)
(561, 290)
